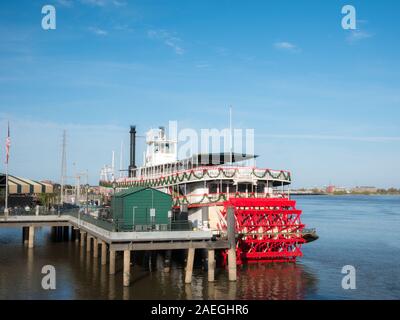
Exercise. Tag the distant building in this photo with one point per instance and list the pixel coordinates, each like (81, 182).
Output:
(364, 189)
(18, 185)
(330, 189)
(335, 189)
(22, 191)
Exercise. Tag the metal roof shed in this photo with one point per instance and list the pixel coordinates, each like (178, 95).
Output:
(143, 208)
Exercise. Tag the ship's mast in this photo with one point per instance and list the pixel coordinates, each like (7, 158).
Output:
(121, 160)
(231, 133)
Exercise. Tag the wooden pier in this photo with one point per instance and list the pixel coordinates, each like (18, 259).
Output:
(127, 242)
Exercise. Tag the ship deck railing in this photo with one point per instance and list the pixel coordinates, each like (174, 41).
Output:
(219, 197)
(245, 170)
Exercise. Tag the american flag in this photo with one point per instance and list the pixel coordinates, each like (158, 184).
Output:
(8, 144)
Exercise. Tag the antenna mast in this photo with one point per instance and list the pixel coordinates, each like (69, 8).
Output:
(231, 132)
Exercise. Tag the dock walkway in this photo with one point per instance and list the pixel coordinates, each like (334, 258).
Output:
(112, 242)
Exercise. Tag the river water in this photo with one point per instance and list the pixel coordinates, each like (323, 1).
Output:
(362, 231)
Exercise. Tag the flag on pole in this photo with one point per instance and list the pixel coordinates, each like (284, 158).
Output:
(8, 144)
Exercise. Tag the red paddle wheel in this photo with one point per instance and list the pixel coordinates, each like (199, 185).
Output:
(268, 229)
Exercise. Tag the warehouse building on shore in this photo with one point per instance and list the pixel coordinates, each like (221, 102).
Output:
(23, 191)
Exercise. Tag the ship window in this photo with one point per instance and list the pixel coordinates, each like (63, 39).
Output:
(212, 188)
(260, 188)
(242, 187)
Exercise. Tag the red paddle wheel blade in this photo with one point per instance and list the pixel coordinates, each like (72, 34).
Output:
(268, 229)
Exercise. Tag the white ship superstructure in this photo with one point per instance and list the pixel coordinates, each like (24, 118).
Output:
(203, 182)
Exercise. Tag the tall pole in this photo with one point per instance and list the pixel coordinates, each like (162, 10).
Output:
(63, 165)
(87, 191)
(8, 144)
(78, 189)
(87, 198)
(121, 163)
(113, 165)
(231, 133)
(6, 200)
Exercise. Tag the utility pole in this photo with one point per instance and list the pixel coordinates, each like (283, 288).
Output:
(8, 144)
(113, 165)
(78, 180)
(63, 165)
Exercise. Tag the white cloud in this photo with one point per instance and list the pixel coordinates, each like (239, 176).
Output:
(123, 27)
(222, 51)
(287, 46)
(65, 3)
(103, 3)
(330, 137)
(202, 65)
(358, 35)
(98, 31)
(98, 3)
(168, 39)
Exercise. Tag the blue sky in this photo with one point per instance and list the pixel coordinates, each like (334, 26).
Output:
(324, 102)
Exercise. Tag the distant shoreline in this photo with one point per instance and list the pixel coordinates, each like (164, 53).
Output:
(344, 194)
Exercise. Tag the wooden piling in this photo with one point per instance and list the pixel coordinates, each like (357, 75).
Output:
(95, 248)
(103, 253)
(88, 243)
(31, 242)
(112, 262)
(211, 265)
(189, 266)
(127, 268)
(82, 233)
(167, 261)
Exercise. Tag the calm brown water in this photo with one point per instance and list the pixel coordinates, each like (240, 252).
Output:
(360, 231)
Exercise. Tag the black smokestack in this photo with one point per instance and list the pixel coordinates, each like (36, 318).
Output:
(132, 165)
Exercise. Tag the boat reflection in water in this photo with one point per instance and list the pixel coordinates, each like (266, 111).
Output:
(279, 281)
(276, 281)
(81, 276)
